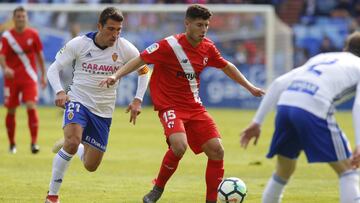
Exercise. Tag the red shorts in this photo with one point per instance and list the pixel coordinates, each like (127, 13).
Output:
(13, 90)
(198, 126)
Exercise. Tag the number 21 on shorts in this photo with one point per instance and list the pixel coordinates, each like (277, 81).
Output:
(169, 117)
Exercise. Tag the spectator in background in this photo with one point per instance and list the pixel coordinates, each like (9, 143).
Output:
(21, 50)
(327, 45)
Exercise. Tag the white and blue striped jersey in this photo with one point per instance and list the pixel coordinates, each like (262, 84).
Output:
(317, 86)
(91, 64)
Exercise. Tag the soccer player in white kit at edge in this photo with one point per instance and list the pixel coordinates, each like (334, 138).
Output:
(88, 107)
(306, 97)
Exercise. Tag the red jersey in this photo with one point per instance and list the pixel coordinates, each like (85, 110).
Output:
(175, 80)
(20, 52)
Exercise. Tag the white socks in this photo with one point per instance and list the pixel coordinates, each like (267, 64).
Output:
(60, 164)
(349, 187)
(273, 190)
(80, 152)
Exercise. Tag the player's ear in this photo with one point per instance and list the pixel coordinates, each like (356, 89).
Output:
(99, 26)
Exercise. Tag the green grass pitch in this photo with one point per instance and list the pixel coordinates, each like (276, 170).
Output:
(133, 158)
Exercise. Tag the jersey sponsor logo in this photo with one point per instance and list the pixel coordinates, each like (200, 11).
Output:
(189, 76)
(114, 56)
(99, 68)
(152, 48)
(303, 86)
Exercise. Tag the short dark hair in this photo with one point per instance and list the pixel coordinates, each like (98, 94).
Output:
(110, 13)
(19, 8)
(197, 11)
(352, 43)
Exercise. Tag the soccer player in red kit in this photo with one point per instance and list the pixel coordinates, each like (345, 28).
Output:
(174, 86)
(21, 47)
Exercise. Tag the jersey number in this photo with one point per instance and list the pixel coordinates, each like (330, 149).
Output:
(169, 116)
(313, 69)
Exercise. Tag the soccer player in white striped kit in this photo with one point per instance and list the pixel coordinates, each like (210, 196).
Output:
(306, 99)
(88, 107)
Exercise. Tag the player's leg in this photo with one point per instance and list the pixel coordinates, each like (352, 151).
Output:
(177, 147)
(274, 189)
(177, 141)
(30, 95)
(214, 169)
(348, 181)
(203, 136)
(75, 119)
(287, 146)
(11, 101)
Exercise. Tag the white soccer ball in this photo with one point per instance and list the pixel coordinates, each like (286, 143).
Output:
(232, 190)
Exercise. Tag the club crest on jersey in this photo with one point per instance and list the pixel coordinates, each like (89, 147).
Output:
(152, 48)
(29, 41)
(205, 61)
(114, 56)
(70, 116)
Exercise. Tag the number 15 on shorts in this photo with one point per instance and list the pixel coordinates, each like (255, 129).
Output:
(169, 117)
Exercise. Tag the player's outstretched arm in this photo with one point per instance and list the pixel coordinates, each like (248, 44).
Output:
(232, 72)
(129, 67)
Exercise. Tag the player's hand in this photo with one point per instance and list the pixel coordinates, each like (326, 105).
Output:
(253, 131)
(9, 73)
(257, 92)
(43, 82)
(355, 158)
(111, 80)
(135, 109)
(61, 99)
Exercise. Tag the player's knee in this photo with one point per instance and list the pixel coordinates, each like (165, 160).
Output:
(217, 152)
(71, 144)
(179, 149)
(91, 167)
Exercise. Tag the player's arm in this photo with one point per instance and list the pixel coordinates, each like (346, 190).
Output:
(232, 72)
(135, 106)
(355, 159)
(129, 67)
(53, 75)
(267, 104)
(41, 62)
(8, 72)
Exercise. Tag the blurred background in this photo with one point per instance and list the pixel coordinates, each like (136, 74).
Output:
(263, 38)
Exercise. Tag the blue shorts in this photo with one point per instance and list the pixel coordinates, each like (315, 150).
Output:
(296, 130)
(96, 129)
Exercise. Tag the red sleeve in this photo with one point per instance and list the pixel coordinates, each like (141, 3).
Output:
(4, 46)
(38, 44)
(215, 59)
(155, 53)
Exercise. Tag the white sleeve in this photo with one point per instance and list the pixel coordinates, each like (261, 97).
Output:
(54, 77)
(356, 115)
(142, 84)
(272, 95)
(68, 53)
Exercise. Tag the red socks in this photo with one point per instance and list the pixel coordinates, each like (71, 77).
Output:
(33, 122)
(10, 127)
(168, 167)
(214, 175)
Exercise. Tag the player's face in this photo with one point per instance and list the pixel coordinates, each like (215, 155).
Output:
(20, 20)
(109, 32)
(196, 29)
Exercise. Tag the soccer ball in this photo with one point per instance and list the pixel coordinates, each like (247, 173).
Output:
(232, 190)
